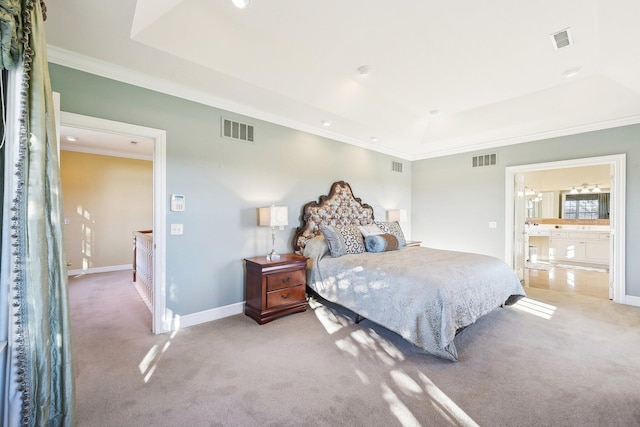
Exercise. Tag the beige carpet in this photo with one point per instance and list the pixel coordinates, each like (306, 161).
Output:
(578, 365)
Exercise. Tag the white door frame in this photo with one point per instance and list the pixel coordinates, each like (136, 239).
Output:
(160, 319)
(519, 234)
(618, 212)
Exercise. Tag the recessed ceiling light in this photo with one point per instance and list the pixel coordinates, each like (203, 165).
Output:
(571, 72)
(241, 4)
(71, 138)
(434, 112)
(326, 123)
(374, 139)
(364, 70)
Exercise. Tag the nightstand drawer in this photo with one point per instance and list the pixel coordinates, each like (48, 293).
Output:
(286, 279)
(286, 296)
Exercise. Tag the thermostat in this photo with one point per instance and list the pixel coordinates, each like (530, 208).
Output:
(177, 202)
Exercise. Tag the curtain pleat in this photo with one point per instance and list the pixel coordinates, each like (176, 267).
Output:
(603, 205)
(39, 360)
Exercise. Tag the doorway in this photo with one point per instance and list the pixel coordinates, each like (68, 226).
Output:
(161, 322)
(515, 216)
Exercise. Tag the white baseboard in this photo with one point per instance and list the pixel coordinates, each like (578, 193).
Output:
(631, 300)
(100, 269)
(193, 319)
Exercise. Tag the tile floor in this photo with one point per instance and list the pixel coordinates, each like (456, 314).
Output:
(569, 280)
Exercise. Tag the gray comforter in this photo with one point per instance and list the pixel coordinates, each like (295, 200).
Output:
(423, 294)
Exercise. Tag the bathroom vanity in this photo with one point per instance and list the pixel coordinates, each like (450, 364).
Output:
(568, 242)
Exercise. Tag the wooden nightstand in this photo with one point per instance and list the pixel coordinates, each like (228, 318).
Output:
(413, 243)
(275, 288)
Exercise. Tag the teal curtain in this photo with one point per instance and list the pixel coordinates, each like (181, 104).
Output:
(38, 382)
(603, 205)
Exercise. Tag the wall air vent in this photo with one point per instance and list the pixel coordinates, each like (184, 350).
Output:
(561, 39)
(396, 166)
(484, 160)
(236, 130)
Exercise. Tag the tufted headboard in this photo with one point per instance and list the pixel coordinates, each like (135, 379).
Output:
(340, 207)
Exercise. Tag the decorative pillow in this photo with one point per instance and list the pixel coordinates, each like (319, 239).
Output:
(343, 239)
(393, 227)
(381, 243)
(369, 230)
(316, 248)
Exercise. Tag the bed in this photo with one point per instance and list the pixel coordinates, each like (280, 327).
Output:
(425, 295)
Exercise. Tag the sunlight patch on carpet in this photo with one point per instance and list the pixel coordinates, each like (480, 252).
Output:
(399, 409)
(150, 361)
(331, 322)
(407, 387)
(446, 406)
(536, 308)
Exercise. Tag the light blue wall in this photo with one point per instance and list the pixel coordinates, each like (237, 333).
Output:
(225, 182)
(453, 202)
(449, 202)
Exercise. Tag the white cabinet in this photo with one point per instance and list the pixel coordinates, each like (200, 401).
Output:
(582, 246)
(597, 251)
(538, 239)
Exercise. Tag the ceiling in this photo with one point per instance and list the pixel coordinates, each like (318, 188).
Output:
(106, 144)
(447, 77)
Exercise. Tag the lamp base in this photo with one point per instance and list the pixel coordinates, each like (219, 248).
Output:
(273, 256)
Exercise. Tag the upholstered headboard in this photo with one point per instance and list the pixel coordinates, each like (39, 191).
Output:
(340, 207)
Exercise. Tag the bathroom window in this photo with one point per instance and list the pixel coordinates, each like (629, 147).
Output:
(585, 206)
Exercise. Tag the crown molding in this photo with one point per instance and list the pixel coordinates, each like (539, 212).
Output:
(108, 70)
(573, 130)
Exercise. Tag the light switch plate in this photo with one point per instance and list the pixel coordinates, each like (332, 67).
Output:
(176, 229)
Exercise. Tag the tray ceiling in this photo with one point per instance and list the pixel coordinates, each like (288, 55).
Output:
(446, 77)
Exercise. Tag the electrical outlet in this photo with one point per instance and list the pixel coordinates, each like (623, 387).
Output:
(176, 229)
(493, 224)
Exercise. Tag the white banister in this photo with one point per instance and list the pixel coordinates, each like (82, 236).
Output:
(143, 265)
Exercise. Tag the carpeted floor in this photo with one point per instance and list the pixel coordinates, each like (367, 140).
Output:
(558, 360)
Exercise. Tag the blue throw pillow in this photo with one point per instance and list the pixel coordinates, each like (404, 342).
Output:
(394, 228)
(381, 243)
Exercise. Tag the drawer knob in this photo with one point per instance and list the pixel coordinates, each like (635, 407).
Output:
(285, 296)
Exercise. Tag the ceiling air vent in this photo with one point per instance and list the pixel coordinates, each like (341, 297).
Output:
(561, 39)
(236, 130)
(484, 160)
(396, 166)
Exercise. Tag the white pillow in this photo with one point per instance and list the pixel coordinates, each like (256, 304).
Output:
(370, 230)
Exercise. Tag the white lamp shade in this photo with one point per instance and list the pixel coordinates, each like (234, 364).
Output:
(399, 215)
(241, 4)
(273, 216)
